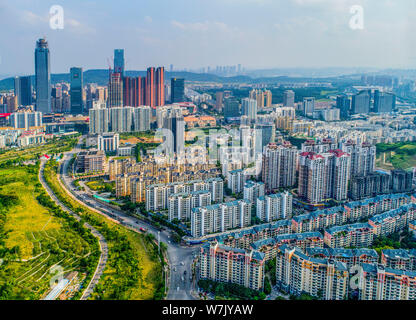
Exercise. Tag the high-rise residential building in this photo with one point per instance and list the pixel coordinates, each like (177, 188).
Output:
(249, 109)
(236, 180)
(324, 176)
(279, 166)
(99, 120)
(253, 190)
(220, 217)
(263, 98)
(115, 90)
(384, 102)
(344, 105)
(175, 122)
(43, 77)
(361, 102)
(141, 118)
(219, 97)
(177, 87)
(274, 207)
(23, 90)
(308, 106)
(232, 265)
(231, 108)
(363, 158)
(150, 88)
(160, 86)
(121, 119)
(77, 85)
(119, 61)
(289, 98)
(133, 91)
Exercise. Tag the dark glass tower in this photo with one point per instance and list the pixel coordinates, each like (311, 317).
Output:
(42, 77)
(23, 90)
(119, 61)
(77, 104)
(177, 87)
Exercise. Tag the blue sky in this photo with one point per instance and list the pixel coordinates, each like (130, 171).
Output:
(197, 33)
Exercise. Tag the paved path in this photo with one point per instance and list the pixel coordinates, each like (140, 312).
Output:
(101, 240)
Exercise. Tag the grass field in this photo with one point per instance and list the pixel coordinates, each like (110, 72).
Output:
(100, 185)
(133, 270)
(396, 156)
(34, 239)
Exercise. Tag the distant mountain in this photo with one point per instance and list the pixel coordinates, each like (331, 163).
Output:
(100, 76)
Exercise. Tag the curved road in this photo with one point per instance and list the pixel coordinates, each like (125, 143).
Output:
(101, 240)
(180, 257)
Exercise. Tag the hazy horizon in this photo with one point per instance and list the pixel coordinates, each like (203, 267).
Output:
(258, 34)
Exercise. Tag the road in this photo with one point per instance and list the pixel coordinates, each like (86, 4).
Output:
(180, 257)
(101, 240)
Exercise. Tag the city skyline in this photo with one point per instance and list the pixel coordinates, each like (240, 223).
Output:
(294, 33)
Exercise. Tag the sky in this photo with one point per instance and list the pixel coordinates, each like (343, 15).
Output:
(199, 33)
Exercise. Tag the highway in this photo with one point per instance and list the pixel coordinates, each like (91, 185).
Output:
(101, 240)
(180, 257)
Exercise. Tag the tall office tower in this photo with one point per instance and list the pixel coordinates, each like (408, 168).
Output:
(363, 158)
(90, 95)
(177, 87)
(289, 98)
(150, 88)
(174, 122)
(249, 109)
(133, 91)
(344, 105)
(219, 97)
(115, 90)
(99, 120)
(121, 119)
(23, 90)
(308, 106)
(361, 102)
(141, 118)
(384, 102)
(231, 108)
(160, 86)
(279, 166)
(77, 85)
(119, 61)
(43, 77)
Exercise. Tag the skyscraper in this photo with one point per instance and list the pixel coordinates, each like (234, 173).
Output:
(177, 87)
(160, 86)
(133, 91)
(344, 105)
(43, 77)
(231, 108)
(249, 109)
(150, 88)
(361, 102)
(219, 97)
(23, 90)
(176, 124)
(384, 102)
(119, 61)
(288, 98)
(115, 90)
(77, 84)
